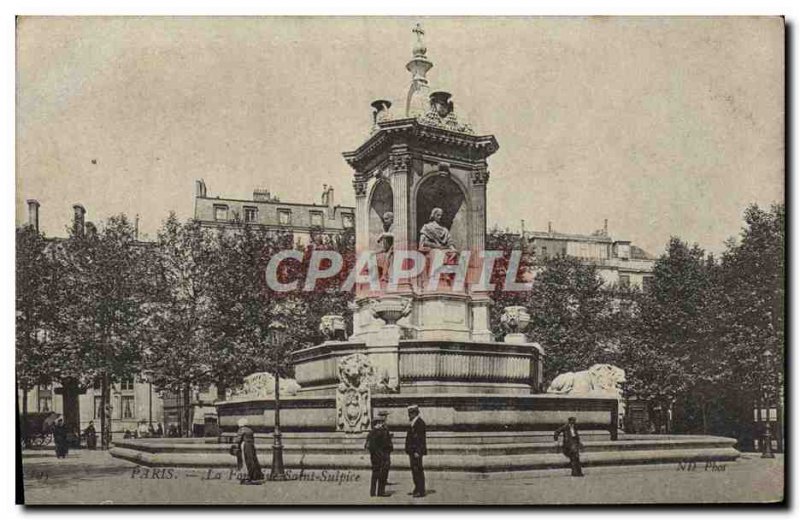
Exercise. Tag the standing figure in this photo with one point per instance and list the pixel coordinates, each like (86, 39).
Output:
(379, 444)
(386, 242)
(60, 438)
(572, 445)
(91, 436)
(416, 447)
(247, 464)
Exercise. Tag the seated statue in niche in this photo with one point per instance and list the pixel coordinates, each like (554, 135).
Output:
(434, 236)
(386, 243)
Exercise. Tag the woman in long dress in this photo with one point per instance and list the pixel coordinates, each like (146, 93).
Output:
(247, 464)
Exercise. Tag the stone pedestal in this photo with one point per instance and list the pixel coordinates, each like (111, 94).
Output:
(383, 348)
(515, 338)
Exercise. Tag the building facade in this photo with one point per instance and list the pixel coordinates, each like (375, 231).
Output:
(618, 262)
(304, 220)
(135, 404)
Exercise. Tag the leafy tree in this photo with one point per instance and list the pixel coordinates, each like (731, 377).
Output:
(327, 296)
(750, 317)
(178, 353)
(36, 313)
(674, 355)
(571, 312)
(102, 307)
(570, 315)
(242, 302)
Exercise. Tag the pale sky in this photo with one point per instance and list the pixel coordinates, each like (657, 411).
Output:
(664, 126)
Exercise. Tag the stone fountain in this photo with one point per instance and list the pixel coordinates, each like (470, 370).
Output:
(420, 182)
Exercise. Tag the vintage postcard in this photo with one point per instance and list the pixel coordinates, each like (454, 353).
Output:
(400, 260)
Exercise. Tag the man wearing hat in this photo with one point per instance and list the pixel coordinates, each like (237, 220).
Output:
(572, 445)
(379, 444)
(416, 447)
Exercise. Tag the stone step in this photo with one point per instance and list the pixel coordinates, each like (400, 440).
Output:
(314, 446)
(499, 463)
(434, 438)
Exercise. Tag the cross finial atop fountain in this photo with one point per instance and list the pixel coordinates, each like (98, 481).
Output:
(419, 49)
(417, 100)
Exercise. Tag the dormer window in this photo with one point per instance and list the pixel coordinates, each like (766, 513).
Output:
(316, 219)
(250, 215)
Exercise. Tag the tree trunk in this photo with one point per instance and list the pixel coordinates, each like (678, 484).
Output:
(72, 410)
(759, 422)
(222, 389)
(187, 408)
(779, 420)
(105, 413)
(24, 425)
(704, 414)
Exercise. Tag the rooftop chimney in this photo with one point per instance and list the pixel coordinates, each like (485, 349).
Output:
(200, 188)
(549, 227)
(78, 226)
(605, 227)
(136, 228)
(262, 195)
(33, 214)
(327, 199)
(91, 229)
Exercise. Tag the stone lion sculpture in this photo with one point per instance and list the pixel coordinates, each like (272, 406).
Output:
(261, 385)
(355, 371)
(600, 379)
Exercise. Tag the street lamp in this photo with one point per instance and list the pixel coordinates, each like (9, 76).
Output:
(767, 449)
(276, 339)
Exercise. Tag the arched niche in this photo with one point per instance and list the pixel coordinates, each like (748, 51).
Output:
(380, 202)
(441, 191)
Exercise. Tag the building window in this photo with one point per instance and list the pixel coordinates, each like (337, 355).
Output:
(316, 219)
(220, 212)
(544, 251)
(127, 407)
(250, 215)
(624, 280)
(126, 384)
(347, 220)
(44, 399)
(285, 217)
(647, 283)
(98, 404)
(45, 403)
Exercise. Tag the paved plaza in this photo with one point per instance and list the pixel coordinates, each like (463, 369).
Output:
(94, 477)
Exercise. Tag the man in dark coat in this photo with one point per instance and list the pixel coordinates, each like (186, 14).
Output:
(379, 444)
(572, 445)
(60, 438)
(416, 447)
(91, 436)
